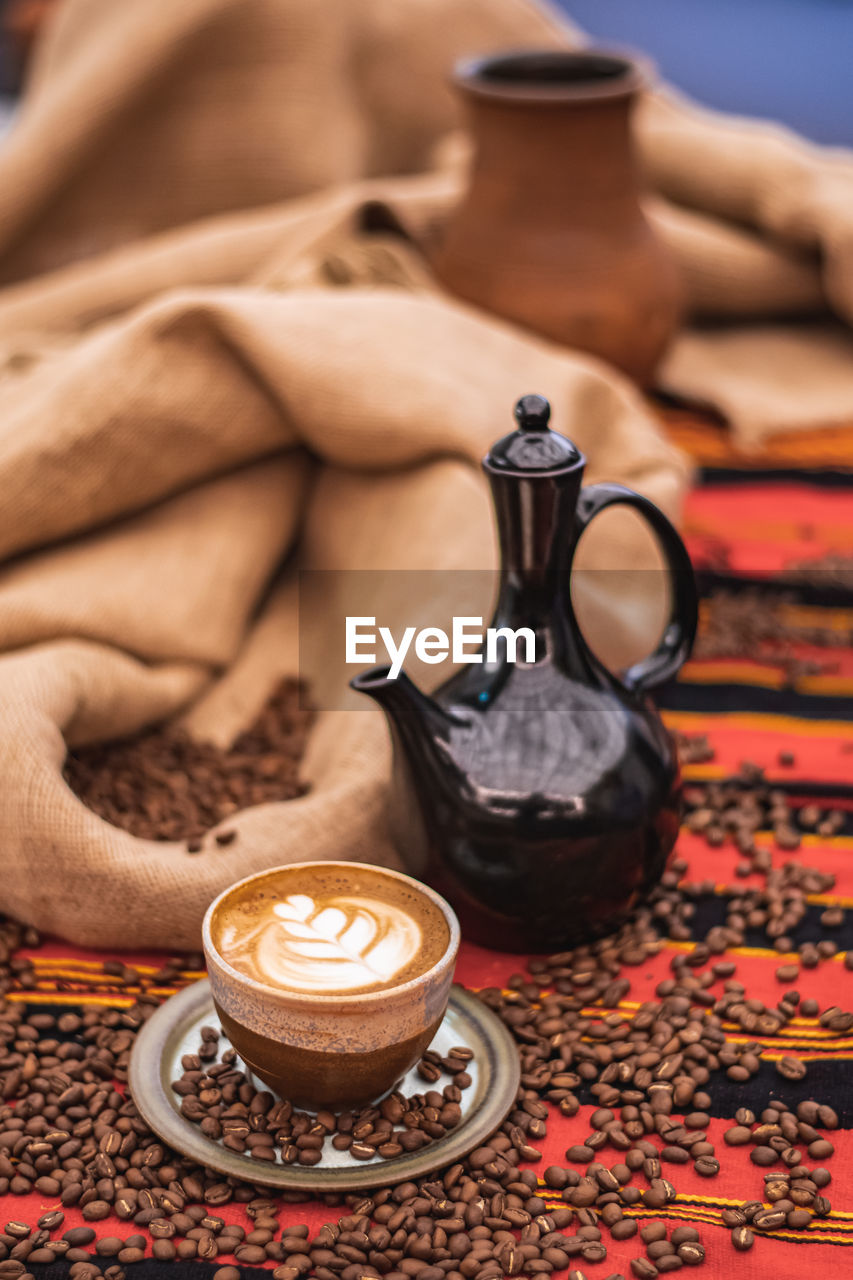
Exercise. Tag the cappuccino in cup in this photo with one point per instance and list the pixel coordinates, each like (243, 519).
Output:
(330, 978)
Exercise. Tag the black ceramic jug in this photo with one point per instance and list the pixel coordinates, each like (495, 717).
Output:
(541, 799)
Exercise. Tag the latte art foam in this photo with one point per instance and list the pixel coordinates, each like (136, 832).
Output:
(332, 939)
(342, 945)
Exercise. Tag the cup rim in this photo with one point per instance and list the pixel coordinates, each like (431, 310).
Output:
(353, 1000)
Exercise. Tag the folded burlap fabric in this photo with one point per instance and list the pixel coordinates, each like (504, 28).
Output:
(187, 426)
(277, 99)
(209, 364)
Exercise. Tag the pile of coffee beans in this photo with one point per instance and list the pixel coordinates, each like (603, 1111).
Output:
(163, 785)
(734, 813)
(217, 1095)
(791, 1198)
(755, 625)
(668, 1252)
(66, 1131)
(835, 569)
(651, 1071)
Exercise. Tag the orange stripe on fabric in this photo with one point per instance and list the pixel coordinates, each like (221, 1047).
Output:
(699, 721)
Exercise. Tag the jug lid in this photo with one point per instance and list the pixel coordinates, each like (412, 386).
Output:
(533, 449)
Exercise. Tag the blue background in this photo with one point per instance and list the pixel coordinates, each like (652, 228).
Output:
(790, 60)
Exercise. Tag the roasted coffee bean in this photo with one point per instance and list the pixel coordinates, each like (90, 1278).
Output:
(77, 1236)
(580, 1154)
(798, 1219)
(51, 1220)
(108, 1246)
(683, 1235)
(643, 1269)
(624, 1229)
(769, 1219)
(659, 1249)
(742, 1238)
(250, 1254)
(96, 1210)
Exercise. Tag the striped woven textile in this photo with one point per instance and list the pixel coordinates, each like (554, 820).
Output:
(748, 520)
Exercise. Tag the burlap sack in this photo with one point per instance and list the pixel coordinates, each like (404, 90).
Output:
(278, 97)
(787, 251)
(184, 403)
(185, 425)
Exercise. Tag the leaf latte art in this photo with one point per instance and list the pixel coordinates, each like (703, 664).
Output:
(337, 944)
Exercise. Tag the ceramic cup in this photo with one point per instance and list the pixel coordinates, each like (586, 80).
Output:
(285, 951)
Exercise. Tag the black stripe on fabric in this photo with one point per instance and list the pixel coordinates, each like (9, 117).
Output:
(746, 698)
(825, 1081)
(711, 911)
(815, 791)
(829, 594)
(712, 477)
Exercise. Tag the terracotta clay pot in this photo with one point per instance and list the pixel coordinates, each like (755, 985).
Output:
(551, 233)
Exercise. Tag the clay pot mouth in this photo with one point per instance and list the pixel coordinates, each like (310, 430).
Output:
(553, 75)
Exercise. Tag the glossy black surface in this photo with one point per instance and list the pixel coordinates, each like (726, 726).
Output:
(542, 800)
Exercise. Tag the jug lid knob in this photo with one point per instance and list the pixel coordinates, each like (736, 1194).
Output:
(534, 448)
(532, 413)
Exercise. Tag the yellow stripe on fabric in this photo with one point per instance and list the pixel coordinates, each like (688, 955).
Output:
(807, 1057)
(840, 844)
(827, 617)
(807, 1029)
(819, 1231)
(73, 997)
(790, 1048)
(672, 1211)
(687, 947)
(768, 953)
(799, 1036)
(71, 962)
(81, 986)
(96, 980)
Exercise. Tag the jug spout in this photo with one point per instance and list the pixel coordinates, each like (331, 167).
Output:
(410, 711)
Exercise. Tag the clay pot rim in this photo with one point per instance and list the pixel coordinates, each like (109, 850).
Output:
(340, 1001)
(632, 73)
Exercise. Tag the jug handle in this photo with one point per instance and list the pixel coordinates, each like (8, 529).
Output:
(677, 640)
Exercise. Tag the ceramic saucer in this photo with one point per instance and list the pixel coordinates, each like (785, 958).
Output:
(175, 1030)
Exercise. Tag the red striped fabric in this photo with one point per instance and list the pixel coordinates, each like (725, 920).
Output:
(749, 516)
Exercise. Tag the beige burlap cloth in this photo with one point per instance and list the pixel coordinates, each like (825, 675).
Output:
(223, 358)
